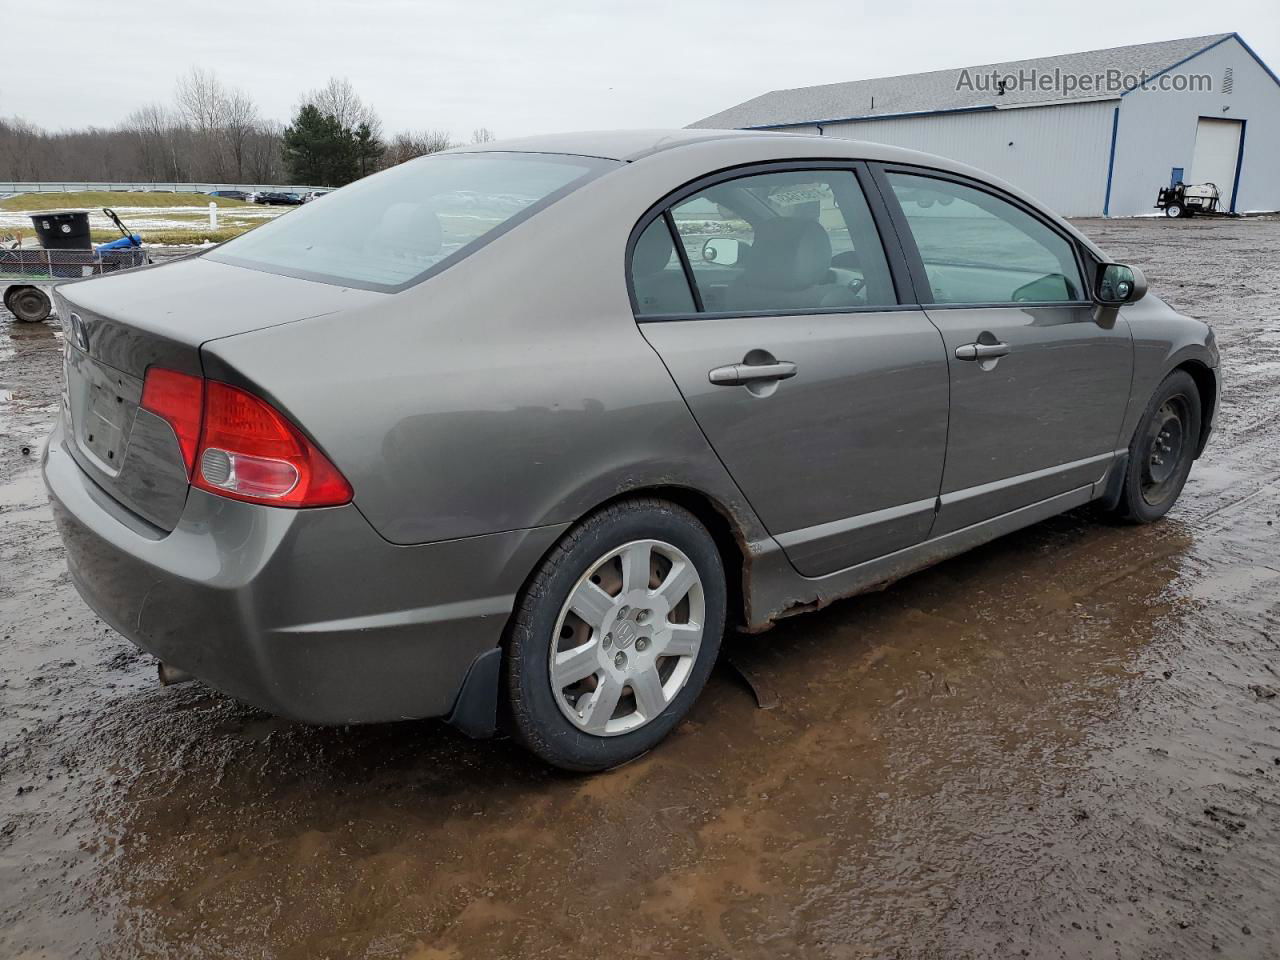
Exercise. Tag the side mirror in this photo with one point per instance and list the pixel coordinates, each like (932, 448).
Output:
(722, 251)
(1119, 284)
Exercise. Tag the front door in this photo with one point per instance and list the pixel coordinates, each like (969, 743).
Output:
(826, 401)
(1039, 376)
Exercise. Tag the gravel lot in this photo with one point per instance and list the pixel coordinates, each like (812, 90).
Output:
(1064, 744)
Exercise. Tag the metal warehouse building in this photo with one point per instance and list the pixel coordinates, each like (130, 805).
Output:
(1095, 133)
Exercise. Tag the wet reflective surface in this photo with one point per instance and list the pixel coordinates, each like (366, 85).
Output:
(1064, 744)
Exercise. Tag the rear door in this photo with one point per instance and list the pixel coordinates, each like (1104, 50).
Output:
(824, 396)
(1039, 375)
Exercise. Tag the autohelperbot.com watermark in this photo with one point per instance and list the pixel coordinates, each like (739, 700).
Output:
(1068, 83)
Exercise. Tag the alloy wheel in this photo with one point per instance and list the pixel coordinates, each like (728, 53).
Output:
(627, 637)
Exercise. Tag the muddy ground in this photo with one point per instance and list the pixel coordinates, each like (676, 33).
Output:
(1064, 744)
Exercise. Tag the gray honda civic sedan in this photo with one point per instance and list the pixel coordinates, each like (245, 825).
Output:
(520, 430)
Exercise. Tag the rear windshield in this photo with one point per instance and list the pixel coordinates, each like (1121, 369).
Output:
(398, 227)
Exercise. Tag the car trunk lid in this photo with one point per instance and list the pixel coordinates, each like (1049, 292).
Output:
(119, 326)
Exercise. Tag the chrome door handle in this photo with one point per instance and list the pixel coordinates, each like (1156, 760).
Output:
(738, 374)
(982, 351)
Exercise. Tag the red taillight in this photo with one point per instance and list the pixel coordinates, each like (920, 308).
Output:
(179, 399)
(246, 449)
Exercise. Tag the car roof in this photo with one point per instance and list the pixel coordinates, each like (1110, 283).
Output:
(610, 144)
(632, 145)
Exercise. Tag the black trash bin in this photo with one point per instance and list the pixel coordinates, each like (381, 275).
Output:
(63, 229)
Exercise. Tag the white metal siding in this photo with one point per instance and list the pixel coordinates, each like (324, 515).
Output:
(1158, 132)
(1057, 154)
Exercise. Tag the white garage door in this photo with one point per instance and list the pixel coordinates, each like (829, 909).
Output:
(1214, 160)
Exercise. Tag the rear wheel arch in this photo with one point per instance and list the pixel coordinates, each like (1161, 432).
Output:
(714, 516)
(724, 530)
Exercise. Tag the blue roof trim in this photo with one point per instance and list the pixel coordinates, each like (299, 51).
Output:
(986, 108)
(1231, 36)
(1175, 66)
(1249, 50)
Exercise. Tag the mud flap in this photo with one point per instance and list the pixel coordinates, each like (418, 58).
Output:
(1115, 482)
(748, 656)
(475, 712)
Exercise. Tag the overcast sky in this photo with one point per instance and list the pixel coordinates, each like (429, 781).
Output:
(530, 67)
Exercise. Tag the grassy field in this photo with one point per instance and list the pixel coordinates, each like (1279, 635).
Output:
(92, 200)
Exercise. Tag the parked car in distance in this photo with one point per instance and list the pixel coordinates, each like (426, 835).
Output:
(314, 195)
(279, 198)
(534, 422)
(231, 194)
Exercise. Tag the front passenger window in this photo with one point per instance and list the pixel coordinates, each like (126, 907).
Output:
(978, 248)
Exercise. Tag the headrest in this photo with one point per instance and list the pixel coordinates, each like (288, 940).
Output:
(408, 229)
(789, 254)
(653, 250)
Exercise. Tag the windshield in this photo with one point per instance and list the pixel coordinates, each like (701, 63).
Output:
(397, 227)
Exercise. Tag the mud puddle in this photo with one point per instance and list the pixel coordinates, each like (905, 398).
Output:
(1064, 744)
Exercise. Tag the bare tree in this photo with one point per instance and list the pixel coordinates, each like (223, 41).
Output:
(263, 162)
(201, 102)
(200, 99)
(482, 135)
(409, 144)
(20, 148)
(156, 130)
(239, 122)
(338, 99)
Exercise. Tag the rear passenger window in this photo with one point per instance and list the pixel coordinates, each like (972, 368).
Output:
(978, 248)
(657, 276)
(787, 241)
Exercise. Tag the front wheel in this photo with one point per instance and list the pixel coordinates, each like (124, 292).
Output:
(615, 635)
(1174, 210)
(1162, 450)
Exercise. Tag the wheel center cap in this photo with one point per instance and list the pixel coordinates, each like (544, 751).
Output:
(624, 634)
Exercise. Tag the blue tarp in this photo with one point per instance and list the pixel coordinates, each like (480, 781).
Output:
(133, 240)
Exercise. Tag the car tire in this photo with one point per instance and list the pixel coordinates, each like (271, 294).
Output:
(1162, 450)
(1174, 210)
(28, 304)
(633, 693)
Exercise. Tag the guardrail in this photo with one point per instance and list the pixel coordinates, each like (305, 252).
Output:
(82, 186)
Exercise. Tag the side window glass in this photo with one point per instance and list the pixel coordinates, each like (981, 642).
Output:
(799, 240)
(657, 277)
(978, 248)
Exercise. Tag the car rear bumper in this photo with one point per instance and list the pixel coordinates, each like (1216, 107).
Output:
(305, 613)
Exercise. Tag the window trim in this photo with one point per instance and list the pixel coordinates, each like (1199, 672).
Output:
(890, 244)
(695, 295)
(915, 263)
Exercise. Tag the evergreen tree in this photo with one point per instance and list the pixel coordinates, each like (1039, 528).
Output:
(319, 150)
(368, 149)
